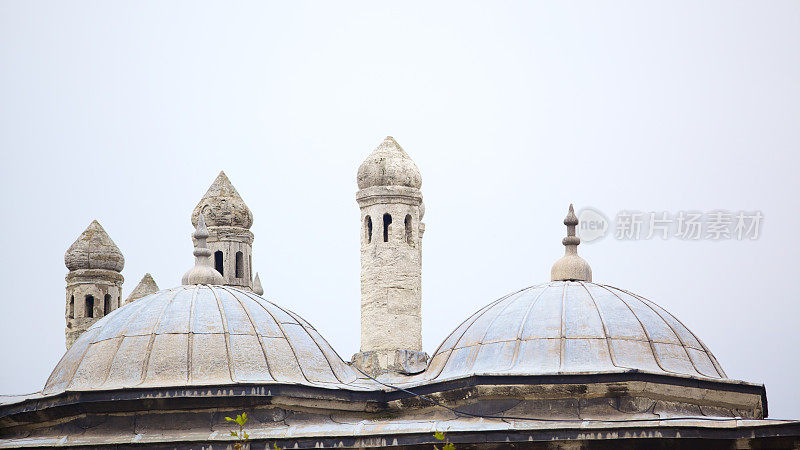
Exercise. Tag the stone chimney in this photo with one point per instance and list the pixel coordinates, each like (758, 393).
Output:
(391, 262)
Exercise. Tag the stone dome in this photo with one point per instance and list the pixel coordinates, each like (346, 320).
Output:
(571, 327)
(198, 335)
(223, 206)
(94, 249)
(389, 165)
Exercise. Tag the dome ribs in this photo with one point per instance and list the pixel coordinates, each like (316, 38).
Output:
(308, 328)
(603, 323)
(153, 336)
(677, 335)
(472, 319)
(255, 329)
(644, 329)
(225, 332)
(518, 342)
(661, 312)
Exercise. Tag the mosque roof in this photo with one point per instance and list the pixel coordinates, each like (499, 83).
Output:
(196, 335)
(94, 249)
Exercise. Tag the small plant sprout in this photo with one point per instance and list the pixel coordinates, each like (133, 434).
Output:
(440, 436)
(240, 435)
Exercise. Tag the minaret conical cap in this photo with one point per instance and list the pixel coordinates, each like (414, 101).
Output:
(389, 165)
(223, 206)
(571, 267)
(94, 249)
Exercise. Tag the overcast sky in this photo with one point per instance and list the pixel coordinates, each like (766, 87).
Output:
(126, 111)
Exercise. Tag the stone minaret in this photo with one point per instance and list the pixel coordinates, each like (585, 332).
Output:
(230, 240)
(94, 281)
(391, 262)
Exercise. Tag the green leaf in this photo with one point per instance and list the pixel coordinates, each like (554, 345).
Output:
(229, 419)
(439, 435)
(449, 446)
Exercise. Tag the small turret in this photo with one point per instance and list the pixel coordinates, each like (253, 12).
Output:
(94, 281)
(231, 243)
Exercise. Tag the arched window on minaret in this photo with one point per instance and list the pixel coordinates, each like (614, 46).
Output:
(71, 306)
(106, 304)
(239, 265)
(368, 229)
(89, 306)
(218, 262)
(387, 221)
(409, 230)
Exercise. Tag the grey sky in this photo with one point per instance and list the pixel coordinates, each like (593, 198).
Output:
(126, 111)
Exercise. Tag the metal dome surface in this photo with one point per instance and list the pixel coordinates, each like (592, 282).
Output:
(569, 327)
(199, 335)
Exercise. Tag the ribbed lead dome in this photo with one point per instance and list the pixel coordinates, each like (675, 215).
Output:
(569, 327)
(198, 335)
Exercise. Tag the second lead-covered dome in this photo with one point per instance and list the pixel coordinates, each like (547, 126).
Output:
(568, 327)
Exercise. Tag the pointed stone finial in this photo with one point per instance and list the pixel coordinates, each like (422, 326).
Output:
(145, 287)
(571, 267)
(257, 288)
(202, 272)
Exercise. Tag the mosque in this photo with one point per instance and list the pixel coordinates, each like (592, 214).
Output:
(568, 363)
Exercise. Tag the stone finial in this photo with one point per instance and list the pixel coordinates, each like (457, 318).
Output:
(94, 249)
(571, 267)
(389, 165)
(257, 288)
(145, 287)
(223, 206)
(202, 272)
